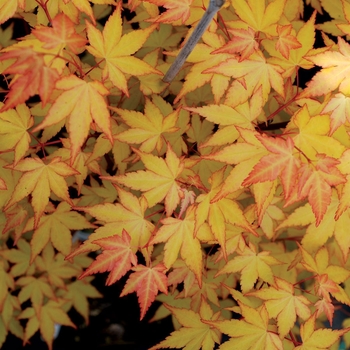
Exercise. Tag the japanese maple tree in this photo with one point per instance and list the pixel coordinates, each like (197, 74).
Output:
(223, 194)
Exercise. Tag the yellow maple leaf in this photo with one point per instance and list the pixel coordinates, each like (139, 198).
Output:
(116, 49)
(252, 265)
(178, 236)
(251, 332)
(334, 73)
(79, 98)
(147, 128)
(320, 339)
(258, 16)
(158, 182)
(40, 179)
(253, 73)
(56, 227)
(196, 331)
(14, 124)
(115, 217)
(282, 303)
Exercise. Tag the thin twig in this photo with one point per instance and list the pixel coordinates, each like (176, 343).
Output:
(213, 8)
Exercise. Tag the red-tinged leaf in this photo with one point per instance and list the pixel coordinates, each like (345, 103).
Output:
(61, 33)
(281, 162)
(117, 257)
(315, 183)
(79, 98)
(243, 41)
(146, 282)
(32, 76)
(286, 41)
(117, 50)
(325, 306)
(39, 179)
(176, 10)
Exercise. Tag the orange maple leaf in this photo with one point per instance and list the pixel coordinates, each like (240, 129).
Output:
(38, 179)
(117, 257)
(315, 183)
(319, 339)
(286, 41)
(32, 76)
(243, 41)
(281, 162)
(176, 10)
(79, 98)
(146, 281)
(116, 50)
(62, 33)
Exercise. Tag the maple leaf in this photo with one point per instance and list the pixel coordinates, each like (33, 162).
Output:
(32, 76)
(8, 283)
(176, 10)
(158, 182)
(62, 33)
(38, 179)
(20, 258)
(55, 227)
(282, 303)
(117, 257)
(195, 333)
(146, 281)
(338, 108)
(147, 128)
(117, 50)
(115, 217)
(57, 269)
(253, 73)
(325, 306)
(220, 212)
(243, 41)
(319, 339)
(50, 314)
(334, 73)
(281, 162)
(286, 41)
(69, 104)
(14, 124)
(315, 182)
(205, 56)
(178, 236)
(35, 289)
(250, 332)
(311, 134)
(258, 16)
(78, 293)
(8, 8)
(252, 266)
(244, 155)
